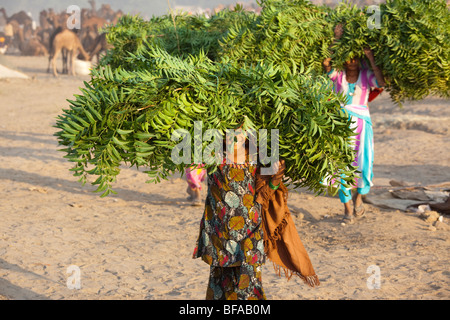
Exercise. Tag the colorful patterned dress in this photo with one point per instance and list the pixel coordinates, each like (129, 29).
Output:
(231, 236)
(357, 107)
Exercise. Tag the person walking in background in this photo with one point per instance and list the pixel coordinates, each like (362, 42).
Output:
(355, 82)
(195, 175)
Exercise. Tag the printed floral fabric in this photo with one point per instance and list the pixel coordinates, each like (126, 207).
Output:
(230, 229)
(235, 283)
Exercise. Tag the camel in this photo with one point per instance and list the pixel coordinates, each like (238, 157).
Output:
(117, 15)
(95, 23)
(21, 17)
(85, 14)
(58, 20)
(33, 47)
(69, 41)
(93, 7)
(88, 38)
(43, 22)
(29, 32)
(63, 50)
(106, 12)
(44, 36)
(99, 46)
(20, 34)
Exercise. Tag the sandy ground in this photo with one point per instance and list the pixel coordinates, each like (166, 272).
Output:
(138, 244)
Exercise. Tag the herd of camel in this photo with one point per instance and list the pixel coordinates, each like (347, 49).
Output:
(53, 37)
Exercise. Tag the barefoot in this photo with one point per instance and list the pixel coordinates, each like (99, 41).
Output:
(196, 197)
(190, 192)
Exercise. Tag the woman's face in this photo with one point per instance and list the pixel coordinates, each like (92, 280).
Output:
(236, 154)
(238, 139)
(352, 64)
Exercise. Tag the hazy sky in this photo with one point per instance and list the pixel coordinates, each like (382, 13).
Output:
(146, 8)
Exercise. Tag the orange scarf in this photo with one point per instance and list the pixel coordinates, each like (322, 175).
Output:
(282, 243)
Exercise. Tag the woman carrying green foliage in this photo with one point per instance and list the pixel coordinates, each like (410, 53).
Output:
(231, 238)
(246, 220)
(355, 83)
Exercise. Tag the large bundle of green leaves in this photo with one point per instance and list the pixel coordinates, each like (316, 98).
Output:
(128, 114)
(409, 40)
(356, 33)
(410, 44)
(414, 48)
(235, 67)
(294, 35)
(179, 34)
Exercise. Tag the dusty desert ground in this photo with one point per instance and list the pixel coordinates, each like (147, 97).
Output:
(138, 244)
